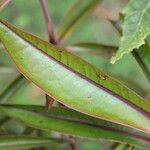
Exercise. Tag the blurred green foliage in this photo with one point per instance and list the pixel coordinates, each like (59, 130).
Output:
(28, 15)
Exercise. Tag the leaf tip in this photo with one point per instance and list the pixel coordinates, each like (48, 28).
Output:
(115, 58)
(120, 53)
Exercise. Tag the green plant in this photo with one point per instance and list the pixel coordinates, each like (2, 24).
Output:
(89, 103)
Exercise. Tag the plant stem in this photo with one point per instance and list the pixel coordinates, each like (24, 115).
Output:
(52, 39)
(49, 103)
(3, 4)
(141, 64)
(72, 146)
(48, 21)
(72, 143)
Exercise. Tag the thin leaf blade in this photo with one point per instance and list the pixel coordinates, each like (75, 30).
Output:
(93, 48)
(79, 11)
(74, 123)
(24, 142)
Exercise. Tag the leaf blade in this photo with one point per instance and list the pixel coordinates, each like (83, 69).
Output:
(74, 123)
(22, 142)
(46, 66)
(135, 27)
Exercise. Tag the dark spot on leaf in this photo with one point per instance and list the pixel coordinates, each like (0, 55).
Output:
(89, 96)
(102, 77)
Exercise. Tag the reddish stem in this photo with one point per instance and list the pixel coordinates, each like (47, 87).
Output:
(48, 20)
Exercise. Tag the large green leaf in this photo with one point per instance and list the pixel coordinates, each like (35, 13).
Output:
(74, 123)
(79, 11)
(72, 81)
(24, 142)
(135, 27)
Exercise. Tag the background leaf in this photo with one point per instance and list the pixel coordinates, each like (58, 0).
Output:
(75, 15)
(74, 123)
(135, 27)
(93, 48)
(24, 142)
(101, 97)
(12, 88)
